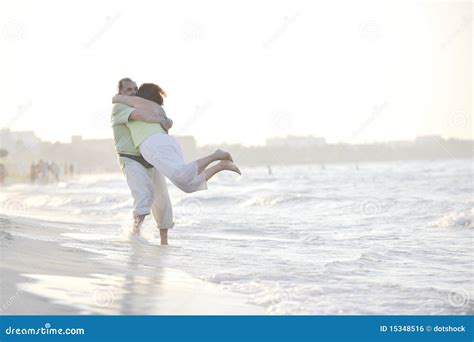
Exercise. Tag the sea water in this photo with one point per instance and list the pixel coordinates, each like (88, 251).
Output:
(379, 238)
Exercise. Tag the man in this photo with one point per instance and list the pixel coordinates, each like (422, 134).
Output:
(147, 185)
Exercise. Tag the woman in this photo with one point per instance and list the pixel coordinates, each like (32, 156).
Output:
(163, 151)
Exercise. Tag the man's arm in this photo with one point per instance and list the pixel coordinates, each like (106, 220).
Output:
(143, 110)
(144, 115)
(139, 103)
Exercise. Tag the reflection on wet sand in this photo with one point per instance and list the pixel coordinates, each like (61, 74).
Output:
(144, 287)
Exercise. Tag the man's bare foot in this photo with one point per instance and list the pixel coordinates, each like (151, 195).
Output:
(223, 155)
(137, 223)
(228, 165)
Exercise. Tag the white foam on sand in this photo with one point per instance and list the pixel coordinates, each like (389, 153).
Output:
(457, 219)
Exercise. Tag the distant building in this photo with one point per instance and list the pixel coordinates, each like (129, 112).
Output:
(428, 139)
(75, 139)
(399, 143)
(99, 155)
(13, 141)
(296, 141)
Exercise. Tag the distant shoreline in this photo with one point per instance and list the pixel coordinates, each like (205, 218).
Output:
(25, 179)
(99, 155)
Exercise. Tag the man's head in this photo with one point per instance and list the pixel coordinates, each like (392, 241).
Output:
(127, 87)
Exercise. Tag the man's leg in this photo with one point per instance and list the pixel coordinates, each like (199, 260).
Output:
(141, 187)
(161, 208)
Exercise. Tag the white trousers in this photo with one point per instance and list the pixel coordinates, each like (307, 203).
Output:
(149, 190)
(164, 153)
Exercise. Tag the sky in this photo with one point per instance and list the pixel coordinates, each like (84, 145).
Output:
(242, 71)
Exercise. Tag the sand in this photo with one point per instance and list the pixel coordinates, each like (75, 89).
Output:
(48, 278)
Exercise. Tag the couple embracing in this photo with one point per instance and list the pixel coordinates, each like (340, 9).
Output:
(147, 154)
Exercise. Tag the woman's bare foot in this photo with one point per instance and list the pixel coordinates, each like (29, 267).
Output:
(223, 155)
(164, 236)
(228, 165)
(220, 166)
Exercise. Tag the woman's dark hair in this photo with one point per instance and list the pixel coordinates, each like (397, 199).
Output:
(151, 92)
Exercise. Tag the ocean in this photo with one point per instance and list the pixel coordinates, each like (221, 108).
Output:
(379, 238)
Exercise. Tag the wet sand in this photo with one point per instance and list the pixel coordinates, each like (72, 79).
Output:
(46, 277)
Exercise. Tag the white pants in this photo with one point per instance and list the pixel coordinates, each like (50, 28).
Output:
(149, 190)
(164, 153)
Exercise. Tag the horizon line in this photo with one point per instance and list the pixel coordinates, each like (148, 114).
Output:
(309, 136)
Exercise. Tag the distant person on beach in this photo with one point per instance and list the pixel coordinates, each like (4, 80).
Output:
(163, 151)
(54, 169)
(33, 172)
(43, 171)
(147, 185)
(2, 174)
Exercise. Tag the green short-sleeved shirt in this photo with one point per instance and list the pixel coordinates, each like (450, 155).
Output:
(122, 136)
(141, 130)
(120, 114)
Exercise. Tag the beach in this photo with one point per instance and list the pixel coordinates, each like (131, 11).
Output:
(382, 238)
(43, 277)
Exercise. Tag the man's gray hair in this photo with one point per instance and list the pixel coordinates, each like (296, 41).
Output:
(120, 83)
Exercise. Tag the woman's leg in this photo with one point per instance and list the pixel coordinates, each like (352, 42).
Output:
(217, 155)
(165, 155)
(164, 236)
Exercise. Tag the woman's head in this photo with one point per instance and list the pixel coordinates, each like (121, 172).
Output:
(151, 92)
